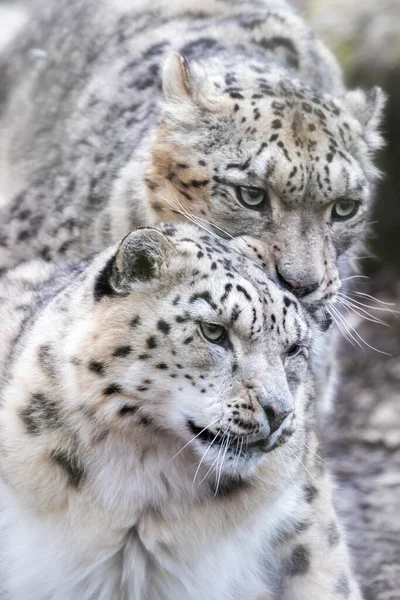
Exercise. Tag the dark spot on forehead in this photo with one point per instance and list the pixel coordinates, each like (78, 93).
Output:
(151, 342)
(163, 326)
(206, 296)
(276, 124)
(180, 319)
(127, 408)
(122, 351)
(199, 47)
(114, 388)
(96, 367)
(244, 292)
(135, 321)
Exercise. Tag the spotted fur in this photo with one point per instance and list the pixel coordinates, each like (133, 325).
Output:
(91, 147)
(141, 461)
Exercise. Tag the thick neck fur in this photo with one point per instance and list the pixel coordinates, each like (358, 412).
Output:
(159, 514)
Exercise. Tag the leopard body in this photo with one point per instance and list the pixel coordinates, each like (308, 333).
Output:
(141, 461)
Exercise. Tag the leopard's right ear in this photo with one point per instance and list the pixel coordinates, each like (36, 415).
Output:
(139, 259)
(178, 82)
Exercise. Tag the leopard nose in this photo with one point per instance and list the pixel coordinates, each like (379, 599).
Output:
(276, 415)
(299, 287)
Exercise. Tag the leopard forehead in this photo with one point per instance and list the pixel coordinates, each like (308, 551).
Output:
(206, 279)
(252, 127)
(300, 143)
(209, 261)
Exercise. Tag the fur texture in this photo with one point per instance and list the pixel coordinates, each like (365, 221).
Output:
(91, 147)
(142, 461)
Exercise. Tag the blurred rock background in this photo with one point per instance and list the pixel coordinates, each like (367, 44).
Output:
(362, 434)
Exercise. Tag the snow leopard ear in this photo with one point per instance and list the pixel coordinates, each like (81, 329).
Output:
(141, 255)
(177, 81)
(367, 108)
(138, 259)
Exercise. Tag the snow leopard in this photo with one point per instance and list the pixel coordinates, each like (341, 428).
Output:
(157, 430)
(119, 113)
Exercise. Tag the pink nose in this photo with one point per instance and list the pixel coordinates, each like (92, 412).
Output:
(301, 287)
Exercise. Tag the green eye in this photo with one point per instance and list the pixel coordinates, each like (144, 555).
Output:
(252, 197)
(344, 209)
(213, 333)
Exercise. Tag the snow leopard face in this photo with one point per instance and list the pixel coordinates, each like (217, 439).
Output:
(204, 345)
(170, 334)
(264, 159)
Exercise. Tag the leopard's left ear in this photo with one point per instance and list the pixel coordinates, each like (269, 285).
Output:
(138, 260)
(178, 82)
(367, 108)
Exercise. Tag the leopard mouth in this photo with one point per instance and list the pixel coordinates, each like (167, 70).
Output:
(235, 444)
(207, 436)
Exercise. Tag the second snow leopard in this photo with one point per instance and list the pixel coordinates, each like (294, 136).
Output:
(255, 134)
(156, 430)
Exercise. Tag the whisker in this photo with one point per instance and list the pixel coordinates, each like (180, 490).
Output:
(354, 258)
(385, 306)
(379, 308)
(216, 460)
(241, 448)
(355, 277)
(215, 226)
(359, 311)
(373, 298)
(341, 329)
(360, 337)
(192, 440)
(317, 456)
(219, 460)
(283, 462)
(221, 466)
(237, 454)
(304, 466)
(346, 326)
(179, 208)
(202, 458)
